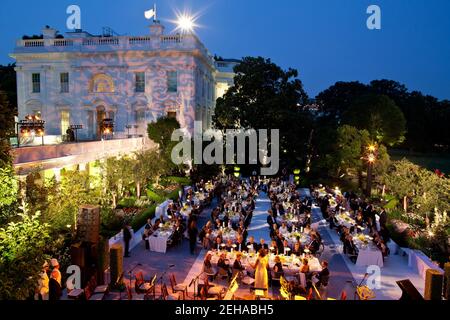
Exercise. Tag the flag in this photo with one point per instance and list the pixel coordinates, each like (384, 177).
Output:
(150, 14)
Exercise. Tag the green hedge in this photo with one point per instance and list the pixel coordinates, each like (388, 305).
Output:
(140, 220)
(153, 196)
(126, 203)
(179, 180)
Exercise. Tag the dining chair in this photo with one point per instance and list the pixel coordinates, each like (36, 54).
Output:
(178, 287)
(212, 290)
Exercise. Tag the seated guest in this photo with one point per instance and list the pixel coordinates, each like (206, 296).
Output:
(324, 275)
(297, 250)
(229, 245)
(314, 245)
(274, 247)
(304, 268)
(252, 244)
(263, 245)
(284, 228)
(207, 266)
(286, 246)
(157, 223)
(237, 265)
(218, 243)
(278, 267)
(223, 266)
(218, 224)
(350, 248)
(240, 245)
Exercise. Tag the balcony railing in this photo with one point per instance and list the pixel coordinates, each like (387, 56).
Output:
(181, 42)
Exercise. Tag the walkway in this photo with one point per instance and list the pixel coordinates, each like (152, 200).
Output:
(258, 227)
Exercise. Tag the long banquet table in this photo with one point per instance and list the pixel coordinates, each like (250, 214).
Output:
(291, 265)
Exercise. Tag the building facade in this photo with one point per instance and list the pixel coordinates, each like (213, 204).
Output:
(82, 79)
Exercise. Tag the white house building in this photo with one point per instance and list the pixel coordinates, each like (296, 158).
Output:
(82, 79)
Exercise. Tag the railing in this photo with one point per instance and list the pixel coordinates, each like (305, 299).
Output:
(101, 42)
(171, 39)
(139, 40)
(120, 43)
(63, 43)
(33, 43)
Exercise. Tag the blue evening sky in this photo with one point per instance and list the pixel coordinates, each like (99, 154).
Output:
(326, 40)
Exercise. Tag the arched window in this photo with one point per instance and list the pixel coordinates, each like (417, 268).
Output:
(102, 83)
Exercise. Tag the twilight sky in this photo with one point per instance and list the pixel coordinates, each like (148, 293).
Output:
(326, 40)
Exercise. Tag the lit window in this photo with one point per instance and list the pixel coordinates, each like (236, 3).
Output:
(64, 80)
(172, 114)
(36, 80)
(172, 81)
(140, 82)
(65, 121)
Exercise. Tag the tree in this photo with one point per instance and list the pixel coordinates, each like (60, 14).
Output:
(379, 116)
(147, 166)
(8, 192)
(22, 247)
(264, 96)
(65, 198)
(161, 133)
(423, 188)
(118, 175)
(336, 100)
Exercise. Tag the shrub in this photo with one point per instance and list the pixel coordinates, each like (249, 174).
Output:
(127, 203)
(140, 220)
(153, 196)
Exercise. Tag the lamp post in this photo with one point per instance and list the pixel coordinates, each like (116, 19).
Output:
(371, 158)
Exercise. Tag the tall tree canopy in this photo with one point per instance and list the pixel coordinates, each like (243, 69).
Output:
(265, 96)
(426, 117)
(380, 116)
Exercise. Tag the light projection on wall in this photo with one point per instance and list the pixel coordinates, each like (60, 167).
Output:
(102, 83)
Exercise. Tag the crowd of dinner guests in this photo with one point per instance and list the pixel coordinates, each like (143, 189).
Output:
(362, 211)
(285, 201)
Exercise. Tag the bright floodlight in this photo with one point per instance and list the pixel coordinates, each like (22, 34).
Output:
(185, 23)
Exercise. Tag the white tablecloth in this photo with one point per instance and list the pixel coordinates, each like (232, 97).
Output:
(369, 257)
(158, 243)
(290, 266)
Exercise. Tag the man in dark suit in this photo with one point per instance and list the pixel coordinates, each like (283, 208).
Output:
(271, 222)
(324, 275)
(263, 245)
(126, 238)
(383, 218)
(251, 243)
(55, 290)
(314, 245)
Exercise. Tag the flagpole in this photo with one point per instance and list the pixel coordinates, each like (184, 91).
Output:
(154, 9)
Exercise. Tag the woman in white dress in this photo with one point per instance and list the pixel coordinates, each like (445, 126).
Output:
(261, 275)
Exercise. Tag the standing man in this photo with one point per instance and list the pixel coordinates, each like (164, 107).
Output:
(192, 232)
(147, 232)
(126, 238)
(55, 290)
(383, 218)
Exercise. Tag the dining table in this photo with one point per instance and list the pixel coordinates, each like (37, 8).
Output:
(158, 240)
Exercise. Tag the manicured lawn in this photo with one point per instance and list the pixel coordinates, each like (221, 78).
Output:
(430, 161)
